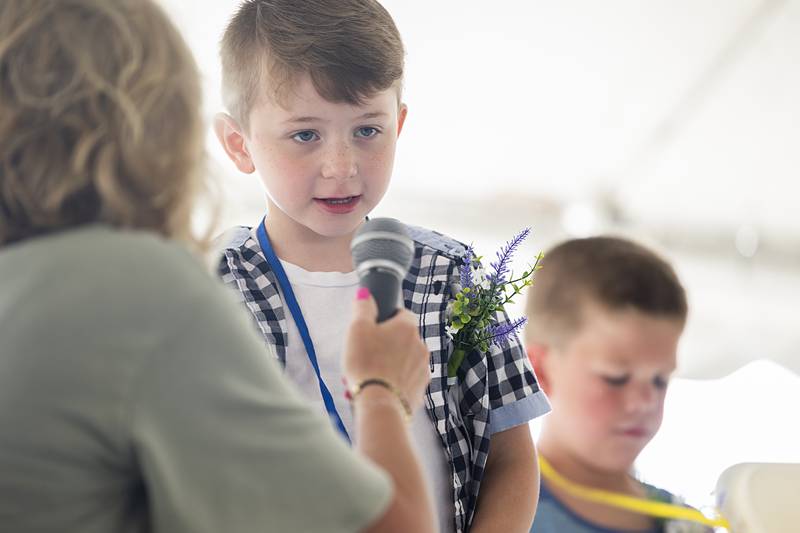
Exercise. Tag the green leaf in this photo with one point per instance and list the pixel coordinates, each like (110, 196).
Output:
(455, 361)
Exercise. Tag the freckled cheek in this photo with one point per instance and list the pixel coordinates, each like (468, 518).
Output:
(377, 166)
(277, 161)
(278, 166)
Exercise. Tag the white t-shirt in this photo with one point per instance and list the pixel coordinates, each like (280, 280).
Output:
(326, 300)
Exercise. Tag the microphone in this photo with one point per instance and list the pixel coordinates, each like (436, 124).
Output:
(382, 252)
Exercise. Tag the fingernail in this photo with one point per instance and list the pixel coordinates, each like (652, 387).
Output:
(362, 294)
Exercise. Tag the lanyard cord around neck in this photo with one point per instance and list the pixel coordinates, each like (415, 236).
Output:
(297, 314)
(624, 501)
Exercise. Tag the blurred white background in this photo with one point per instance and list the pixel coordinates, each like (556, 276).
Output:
(676, 122)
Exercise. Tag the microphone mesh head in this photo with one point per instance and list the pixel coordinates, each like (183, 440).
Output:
(383, 239)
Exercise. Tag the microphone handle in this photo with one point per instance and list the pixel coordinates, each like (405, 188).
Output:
(385, 288)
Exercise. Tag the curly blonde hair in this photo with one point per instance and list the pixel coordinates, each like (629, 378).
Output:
(99, 118)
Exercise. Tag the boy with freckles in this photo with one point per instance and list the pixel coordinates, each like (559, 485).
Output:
(313, 91)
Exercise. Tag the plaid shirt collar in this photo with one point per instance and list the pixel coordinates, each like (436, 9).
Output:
(460, 411)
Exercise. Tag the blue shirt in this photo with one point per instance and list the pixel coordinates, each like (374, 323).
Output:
(552, 516)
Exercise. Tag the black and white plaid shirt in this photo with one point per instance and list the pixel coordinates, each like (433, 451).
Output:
(493, 392)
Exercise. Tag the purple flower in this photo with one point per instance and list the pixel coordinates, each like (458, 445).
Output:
(500, 266)
(466, 268)
(499, 333)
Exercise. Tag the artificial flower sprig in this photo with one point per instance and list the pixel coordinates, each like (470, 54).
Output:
(472, 321)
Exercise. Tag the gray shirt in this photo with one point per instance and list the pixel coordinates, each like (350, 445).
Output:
(134, 396)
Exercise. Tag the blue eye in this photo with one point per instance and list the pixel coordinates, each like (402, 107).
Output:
(367, 132)
(660, 382)
(616, 381)
(305, 136)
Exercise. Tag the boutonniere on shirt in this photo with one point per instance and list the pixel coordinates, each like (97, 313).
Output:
(471, 321)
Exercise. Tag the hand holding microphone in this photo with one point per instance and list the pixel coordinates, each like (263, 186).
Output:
(384, 341)
(384, 351)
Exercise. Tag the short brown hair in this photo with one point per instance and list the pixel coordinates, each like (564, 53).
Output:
(351, 49)
(615, 273)
(100, 118)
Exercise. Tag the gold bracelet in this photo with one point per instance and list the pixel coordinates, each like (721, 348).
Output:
(360, 386)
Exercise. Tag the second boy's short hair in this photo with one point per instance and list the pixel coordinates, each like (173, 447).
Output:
(350, 48)
(611, 272)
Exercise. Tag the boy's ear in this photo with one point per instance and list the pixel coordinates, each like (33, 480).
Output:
(401, 117)
(538, 355)
(232, 139)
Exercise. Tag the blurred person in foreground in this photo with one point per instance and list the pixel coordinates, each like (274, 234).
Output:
(134, 395)
(605, 318)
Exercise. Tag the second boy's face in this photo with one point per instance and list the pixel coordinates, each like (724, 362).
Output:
(608, 384)
(325, 165)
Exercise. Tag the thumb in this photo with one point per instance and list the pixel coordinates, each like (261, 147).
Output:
(365, 307)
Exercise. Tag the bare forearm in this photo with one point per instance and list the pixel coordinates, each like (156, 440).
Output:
(510, 488)
(383, 438)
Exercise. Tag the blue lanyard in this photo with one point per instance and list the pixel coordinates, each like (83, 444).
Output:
(297, 314)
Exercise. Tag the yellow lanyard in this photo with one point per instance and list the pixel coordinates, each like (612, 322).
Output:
(629, 503)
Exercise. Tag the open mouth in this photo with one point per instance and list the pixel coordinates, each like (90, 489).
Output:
(339, 201)
(338, 205)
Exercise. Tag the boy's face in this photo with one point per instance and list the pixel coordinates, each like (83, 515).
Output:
(607, 385)
(325, 165)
